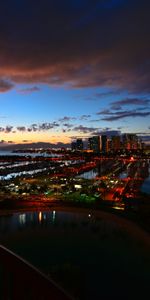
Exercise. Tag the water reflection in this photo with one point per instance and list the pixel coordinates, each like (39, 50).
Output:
(146, 184)
(54, 216)
(82, 249)
(40, 217)
(31, 154)
(22, 219)
(10, 176)
(89, 174)
(32, 220)
(123, 175)
(145, 188)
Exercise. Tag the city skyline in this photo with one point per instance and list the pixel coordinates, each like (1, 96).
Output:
(73, 70)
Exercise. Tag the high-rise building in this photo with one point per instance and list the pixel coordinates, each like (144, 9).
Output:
(73, 145)
(94, 144)
(104, 144)
(130, 141)
(79, 144)
(109, 144)
(116, 143)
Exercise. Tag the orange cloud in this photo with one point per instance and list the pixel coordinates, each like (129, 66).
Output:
(94, 45)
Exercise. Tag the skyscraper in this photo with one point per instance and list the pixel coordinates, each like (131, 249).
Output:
(130, 141)
(104, 144)
(94, 144)
(116, 143)
(77, 145)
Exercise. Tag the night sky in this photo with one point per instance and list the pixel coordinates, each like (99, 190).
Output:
(73, 69)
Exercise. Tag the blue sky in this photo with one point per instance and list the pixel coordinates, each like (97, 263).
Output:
(85, 107)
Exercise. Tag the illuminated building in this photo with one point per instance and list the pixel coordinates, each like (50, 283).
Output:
(73, 145)
(142, 145)
(94, 144)
(130, 141)
(104, 144)
(116, 143)
(78, 145)
(109, 144)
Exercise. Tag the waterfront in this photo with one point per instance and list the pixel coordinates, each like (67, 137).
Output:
(89, 174)
(73, 175)
(60, 204)
(145, 185)
(145, 188)
(28, 153)
(93, 248)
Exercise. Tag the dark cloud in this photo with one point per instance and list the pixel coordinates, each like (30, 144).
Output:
(108, 133)
(129, 101)
(82, 43)
(145, 138)
(29, 90)
(96, 120)
(26, 141)
(42, 127)
(84, 129)
(104, 112)
(99, 95)
(8, 129)
(85, 117)
(66, 119)
(124, 114)
(108, 94)
(110, 115)
(5, 85)
(47, 126)
(67, 125)
(116, 107)
(21, 128)
(31, 128)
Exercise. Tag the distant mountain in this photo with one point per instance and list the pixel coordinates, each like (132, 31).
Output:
(43, 145)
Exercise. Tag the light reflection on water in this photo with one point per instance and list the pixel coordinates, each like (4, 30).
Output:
(123, 175)
(14, 222)
(81, 248)
(89, 174)
(9, 176)
(32, 154)
(145, 188)
(40, 217)
(22, 219)
(146, 184)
